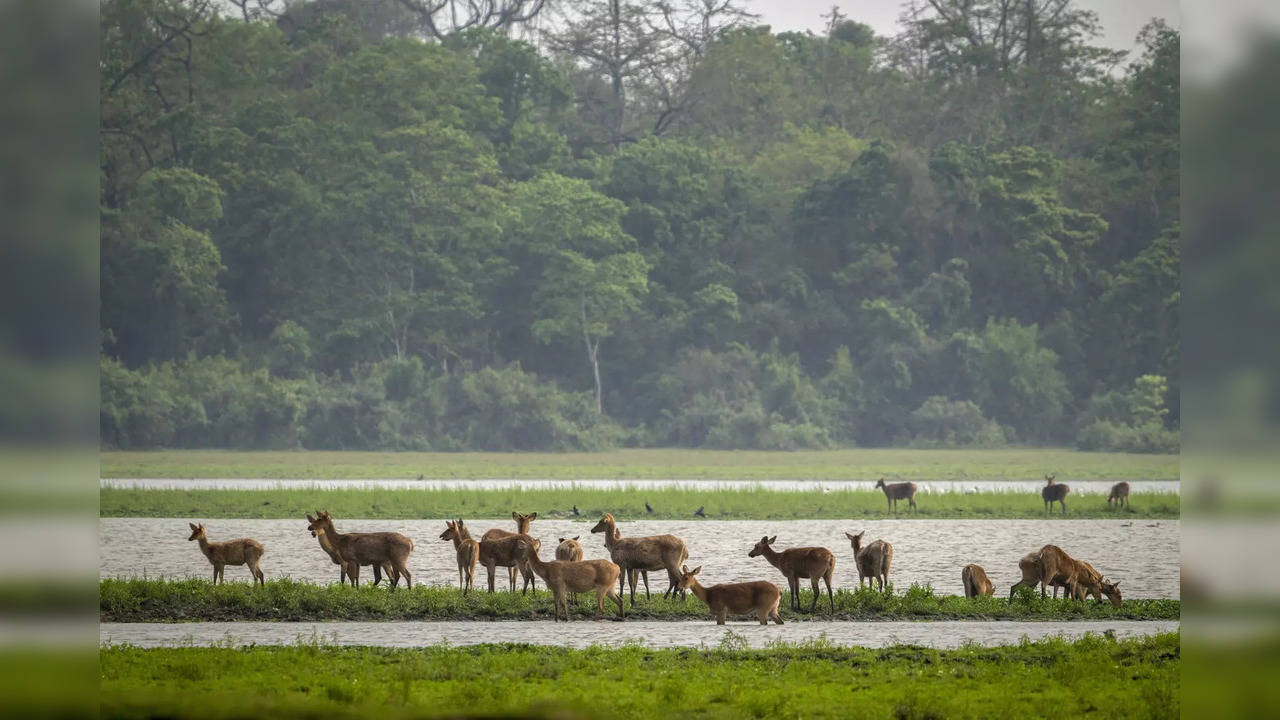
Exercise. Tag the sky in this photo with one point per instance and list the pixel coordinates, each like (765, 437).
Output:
(1121, 19)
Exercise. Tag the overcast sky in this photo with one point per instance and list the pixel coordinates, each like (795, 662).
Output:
(1121, 19)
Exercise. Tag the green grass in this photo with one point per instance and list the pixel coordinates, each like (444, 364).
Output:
(137, 600)
(1094, 675)
(625, 502)
(856, 464)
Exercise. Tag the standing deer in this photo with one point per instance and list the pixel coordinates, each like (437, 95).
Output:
(641, 554)
(356, 549)
(565, 576)
(815, 563)
(757, 598)
(893, 492)
(504, 554)
(1119, 494)
(230, 552)
(975, 581)
(1054, 492)
(1047, 566)
(336, 557)
(467, 549)
(872, 561)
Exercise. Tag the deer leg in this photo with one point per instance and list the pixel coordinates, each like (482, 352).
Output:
(912, 500)
(721, 614)
(773, 613)
(491, 568)
(645, 575)
(377, 574)
(631, 583)
(762, 614)
(1064, 505)
(622, 610)
(403, 570)
(816, 594)
(830, 596)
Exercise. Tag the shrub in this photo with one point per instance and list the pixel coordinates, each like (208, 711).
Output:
(940, 422)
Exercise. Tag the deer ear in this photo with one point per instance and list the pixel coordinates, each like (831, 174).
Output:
(773, 539)
(193, 526)
(1115, 584)
(309, 518)
(575, 537)
(696, 570)
(851, 537)
(533, 516)
(515, 516)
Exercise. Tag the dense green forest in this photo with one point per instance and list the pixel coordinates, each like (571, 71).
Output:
(392, 224)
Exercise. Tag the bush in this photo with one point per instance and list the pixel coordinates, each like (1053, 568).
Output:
(940, 422)
(1103, 435)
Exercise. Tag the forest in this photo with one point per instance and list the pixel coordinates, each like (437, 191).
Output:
(584, 224)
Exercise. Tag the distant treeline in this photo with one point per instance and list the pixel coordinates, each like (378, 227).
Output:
(324, 226)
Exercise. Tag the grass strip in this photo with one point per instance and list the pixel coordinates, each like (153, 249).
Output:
(667, 503)
(138, 600)
(1118, 678)
(660, 463)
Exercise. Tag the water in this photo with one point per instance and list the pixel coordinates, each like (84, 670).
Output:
(1143, 554)
(586, 633)
(1078, 487)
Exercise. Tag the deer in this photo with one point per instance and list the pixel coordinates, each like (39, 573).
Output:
(641, 554)
(893, 492)
(333, 554)
(569, 549)
(503, 554)
(467, 549)
(975, 581)
(815, 563)
(356, 549)
(1119, 494)
(757, 598)
(565, 576)
(1054, 492)
(872, 561)
(1090, 582)
(1047, 566)
(243, 551)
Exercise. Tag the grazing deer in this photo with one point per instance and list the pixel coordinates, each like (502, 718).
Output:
(566, 576)
(893, 492)
(336, 557)
(1119, 494)
(872, 561)
(757, 598)
(815, 563)
(1090, 582)
(505, 554)
(975, 581)
(1054, 492)
(1047, 566)
(356, 549)
(230, 552)
(467, 549)
(641, 554)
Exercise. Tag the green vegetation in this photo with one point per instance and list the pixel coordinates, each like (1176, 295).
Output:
(352, 225)
(1122, 678)
(669, 503)
(137, 600)
(855, 464)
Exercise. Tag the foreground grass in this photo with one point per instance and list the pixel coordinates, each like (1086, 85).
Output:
(1126, 678)
(667, 503)
(856, 464)
(138, 600)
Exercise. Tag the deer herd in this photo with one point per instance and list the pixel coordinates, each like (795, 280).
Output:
(631, 558)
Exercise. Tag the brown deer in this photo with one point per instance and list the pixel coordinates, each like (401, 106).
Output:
(356, 549)
(230, 552)
(1119, 494)
(569, 549)
(1047, 566)
(566, 576)
(757, 598)
(1090, 582)
(333, 554)
(467, 549)
(893, 492)
(815, 563)
(1054, 492)
(641, 554)
(976, 582)
(872, 561)
(504, 554)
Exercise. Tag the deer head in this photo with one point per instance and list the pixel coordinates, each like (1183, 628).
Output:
(761, 546)
(1050, 478)
(1112, 591)
(879, 483)
(605, 523)
(686, 577)
(855, 540)
(450, 531)
(197, 532)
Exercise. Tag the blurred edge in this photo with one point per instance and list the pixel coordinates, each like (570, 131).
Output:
(48, 357)
(1230, 354)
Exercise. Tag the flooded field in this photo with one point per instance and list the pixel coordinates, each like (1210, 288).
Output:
(1078, 487)
(610, 633)
(1145, 555)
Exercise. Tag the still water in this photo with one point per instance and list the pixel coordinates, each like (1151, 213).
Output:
(1144, 554)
